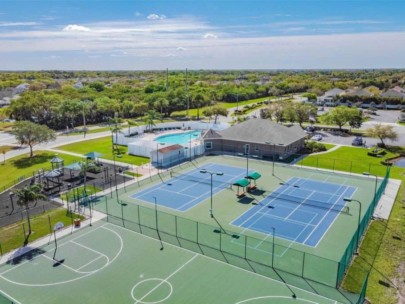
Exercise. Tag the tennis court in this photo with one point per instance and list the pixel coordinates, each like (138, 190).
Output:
(182, 192)
(106, 263)
(300, 210)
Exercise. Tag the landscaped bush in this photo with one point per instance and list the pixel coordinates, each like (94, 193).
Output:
(313, 147)
(376, 152)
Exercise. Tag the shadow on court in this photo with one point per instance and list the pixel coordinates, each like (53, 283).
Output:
(30, 255)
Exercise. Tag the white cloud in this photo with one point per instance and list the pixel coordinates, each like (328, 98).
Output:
(155, 17)
(75, 28)
(210, 36)
(137, 14)
(181, 49)
(4, 24)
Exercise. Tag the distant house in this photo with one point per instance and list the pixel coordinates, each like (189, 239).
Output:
(259, 138)
(329, 96)
(357, 92)
(396, 92)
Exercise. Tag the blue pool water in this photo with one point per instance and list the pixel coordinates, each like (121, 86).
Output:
(400, 163)
(178, 138)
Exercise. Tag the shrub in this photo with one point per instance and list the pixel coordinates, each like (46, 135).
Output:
(314, 147)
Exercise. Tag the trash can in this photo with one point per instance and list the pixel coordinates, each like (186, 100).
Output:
(76, 222)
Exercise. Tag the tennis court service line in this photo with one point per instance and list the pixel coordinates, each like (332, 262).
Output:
(340, 197)
(300, 204)
(263, 206)
(166, 279)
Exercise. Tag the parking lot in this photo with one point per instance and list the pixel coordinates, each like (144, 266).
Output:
(388, 117)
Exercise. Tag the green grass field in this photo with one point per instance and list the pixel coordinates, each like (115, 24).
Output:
(103, 145)
(24, 166)
(110, 264)
(12, 236)
(70, 195)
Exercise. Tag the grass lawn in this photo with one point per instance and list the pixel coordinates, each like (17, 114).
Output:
(328, 146)
(91, 131)
(227, 105)
(103, 145)
(351, 159)
(382, 249)
(20, 166)
(6, 126)
(12, 236)
(69, 195)
(130, 173)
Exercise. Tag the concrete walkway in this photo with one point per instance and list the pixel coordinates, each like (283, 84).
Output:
(387, 200)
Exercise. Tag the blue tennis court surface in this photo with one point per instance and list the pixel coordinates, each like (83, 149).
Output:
(187, 190)
(301, 210)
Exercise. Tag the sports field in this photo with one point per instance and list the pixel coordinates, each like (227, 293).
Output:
(293, 233)
(106, 263)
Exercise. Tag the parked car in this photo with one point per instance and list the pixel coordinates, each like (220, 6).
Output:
(316, 137)
(309, 129)
(357, 141)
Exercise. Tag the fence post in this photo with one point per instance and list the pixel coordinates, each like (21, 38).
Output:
(197, 231)
(106, 207)
(303, 264)
(175, 224)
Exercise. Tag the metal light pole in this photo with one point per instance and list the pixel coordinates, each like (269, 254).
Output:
(156, 213)
(211, 173)
(272, 250)
(12, 201)
(274, 152)
(346, 199)
(376, 178)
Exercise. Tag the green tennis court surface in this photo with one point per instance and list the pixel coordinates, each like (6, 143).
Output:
(106, 263)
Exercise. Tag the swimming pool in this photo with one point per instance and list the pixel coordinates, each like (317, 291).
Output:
(178, 138)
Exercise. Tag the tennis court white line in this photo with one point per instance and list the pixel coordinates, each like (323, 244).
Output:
(221, 262)
(331, 224)
(289, 220)
(300, 204)
(329, 210)
(167, 278)
(263, 206)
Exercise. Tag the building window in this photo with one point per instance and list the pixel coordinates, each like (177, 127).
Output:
(257, 148)
(208, 145)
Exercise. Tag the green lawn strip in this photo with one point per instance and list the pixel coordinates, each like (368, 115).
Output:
(103, 145)
(12, 236)
(351, 159)
(379, 247)
(328, 146)
(69, 195)
(132, 174)
(24, 166)
(90, 131)
(227, 105)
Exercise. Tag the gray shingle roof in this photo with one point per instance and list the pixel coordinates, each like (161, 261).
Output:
(262, 131)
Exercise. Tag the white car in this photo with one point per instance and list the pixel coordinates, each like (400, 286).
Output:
(316, 137)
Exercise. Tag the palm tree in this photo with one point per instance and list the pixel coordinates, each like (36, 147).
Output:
(131, 123)
(27, 195)
(150, 118)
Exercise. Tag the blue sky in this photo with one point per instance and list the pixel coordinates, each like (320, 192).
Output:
(201, 34)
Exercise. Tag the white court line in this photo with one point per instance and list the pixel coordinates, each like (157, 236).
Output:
(10, 297)
(331, 224)
(85, 274)
(300, 204)
(166, 279)
(289, 220)
(90, 249)
(63, 244)
(66, 266)
(221, 262)
(329, 210)
(87, 264)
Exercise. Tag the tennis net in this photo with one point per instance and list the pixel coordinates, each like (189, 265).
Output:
(336, 206)
(199, 178)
